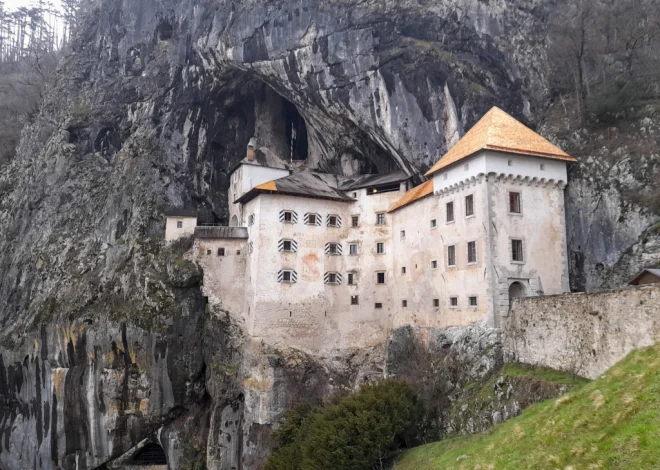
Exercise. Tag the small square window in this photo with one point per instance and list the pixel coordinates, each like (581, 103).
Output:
(179, 224)
(221, 252)
(238, 252)
(333, 221)
(403, 234)
(332, 278)
(404, 303)
(453, 301)
(380, 219)
(451, 255)
(469, 205)
(380, 278)
(378, 305)
(286, 245)
(472, 301)
(355, 300)
(333, 249)
(355, 221)
(353, 249)
(352, 279)
(288, 217)
(514, 203)
(450, 211)
(311, 219)
(208, 252)
(380, 248)
(542, 166)
(517, 251)
(286, 276)
(436, 303)
(472, 252)
(434, 264)
(434, 223)
(403, 270)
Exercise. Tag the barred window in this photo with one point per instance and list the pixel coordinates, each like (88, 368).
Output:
(472, 301)
(469, 205)
(451, 255)
(472, 252)
(450, 211)
(453, 301)
(517, 251)
(221, 252)
(436, 303)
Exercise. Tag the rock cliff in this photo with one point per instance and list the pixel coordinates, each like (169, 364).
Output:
(105, 337)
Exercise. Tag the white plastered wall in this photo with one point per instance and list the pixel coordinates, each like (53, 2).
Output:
(173, 232)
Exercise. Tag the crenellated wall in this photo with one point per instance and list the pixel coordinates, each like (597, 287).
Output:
(583, 333)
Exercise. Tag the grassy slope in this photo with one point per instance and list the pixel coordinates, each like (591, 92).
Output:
(613, 422)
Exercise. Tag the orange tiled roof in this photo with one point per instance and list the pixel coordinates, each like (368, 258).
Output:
(269, 186)
(499, 131)
(419, 192)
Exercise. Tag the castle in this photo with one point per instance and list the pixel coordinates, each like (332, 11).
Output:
(321, 262)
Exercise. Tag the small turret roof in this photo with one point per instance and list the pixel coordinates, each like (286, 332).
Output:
(499, 131)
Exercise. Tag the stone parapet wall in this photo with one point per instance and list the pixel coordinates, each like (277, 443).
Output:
(582, 333)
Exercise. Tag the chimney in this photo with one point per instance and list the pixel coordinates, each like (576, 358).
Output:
(250, 149)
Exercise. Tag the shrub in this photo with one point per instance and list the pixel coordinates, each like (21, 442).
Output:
(362, 431)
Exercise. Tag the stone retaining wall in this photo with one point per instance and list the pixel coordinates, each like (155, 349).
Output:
(582, 333)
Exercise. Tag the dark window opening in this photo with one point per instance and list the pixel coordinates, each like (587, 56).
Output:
(404, 303)
(450, 212)
(380, 277)
(221, 252)
(514, 203)
(296, 132)
(151, 454)
(355, 300)
(384, 189)
(453, 301)
(378, 305)
(436, 303)
(355, 221)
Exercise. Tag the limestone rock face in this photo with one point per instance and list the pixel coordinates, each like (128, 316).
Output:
(105, 338)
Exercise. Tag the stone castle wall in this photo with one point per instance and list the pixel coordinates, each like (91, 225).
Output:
(583, 333)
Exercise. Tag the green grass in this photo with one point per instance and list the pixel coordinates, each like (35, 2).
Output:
(542, 373)
(610, 423)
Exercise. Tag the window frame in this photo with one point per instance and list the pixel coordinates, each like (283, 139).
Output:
(312, 216)
(434, 264)
(436, 303)
(476, 253)
(378, 275)
(404, 303)
(380, 248)
(284, 250)
(451, 301)
(380, 218)
(179, 224)
(453, 212)
(355, 221)
(351, 278)
(474, 212)
(402, 234)
(454, 256)
(520, 206)
(355, 300)
(378, 305)
(434, 224)
(287, 273)
(222, 252)
(337, 224)
(350, 249)
(404, 270)
(334, 252)
(522, 250)
(290, 215)
(476, 298)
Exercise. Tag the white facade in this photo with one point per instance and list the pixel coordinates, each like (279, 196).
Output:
(289, 280)
(179, 226)
(243, 179)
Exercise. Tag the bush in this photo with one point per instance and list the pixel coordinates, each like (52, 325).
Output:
(362, 431)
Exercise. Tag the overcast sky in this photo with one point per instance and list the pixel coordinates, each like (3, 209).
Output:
(13, 4)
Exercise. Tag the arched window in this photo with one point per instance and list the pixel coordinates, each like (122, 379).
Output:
(516, 290)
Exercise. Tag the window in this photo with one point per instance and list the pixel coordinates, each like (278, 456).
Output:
(450, 211)
(451, 255)
(378, 305)
(403, 270)
(251, 219)
(179, 224)
(311, 219)
(380, 218)
(472, 301)
(286, 245)
(333, 249)
(542, 166)
(238, 252)
(453, 301)
(355, 221)
(436, 303)
(353, 249)
(355, 300)
(510, 163)
(514, 203)
(472, 252)
(250, 247)
(332, 278)
(403, 234)
(380, 248)
(354, 195)
(287, 276)
(404, 303)
(221, 252)
(380, 278)
(208, 252)
(434, 264)
(517, 251)
(469, 205)
(352, 279)
(288, 217)
(333, 221)
(434, 223)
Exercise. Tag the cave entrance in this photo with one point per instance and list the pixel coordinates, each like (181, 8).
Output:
(516, 290)
(151, 454)
(296, 132)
